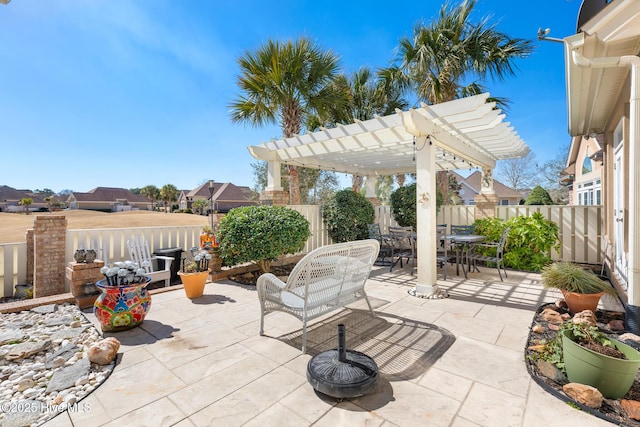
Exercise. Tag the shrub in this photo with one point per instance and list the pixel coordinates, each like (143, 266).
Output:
(403, 206)
(539, 196)
(346, 216)
(530, 242)
(261, 234)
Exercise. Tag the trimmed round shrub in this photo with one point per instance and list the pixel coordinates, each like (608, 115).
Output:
(403, 206)
(539, 196)
(346, 216)
(261, 234)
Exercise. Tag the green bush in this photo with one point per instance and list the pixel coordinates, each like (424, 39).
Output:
(539, 196)
(346, 216)
(403, 206)
(261, 234)
(529, 243)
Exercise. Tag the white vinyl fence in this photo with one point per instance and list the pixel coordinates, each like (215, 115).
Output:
(581, 236)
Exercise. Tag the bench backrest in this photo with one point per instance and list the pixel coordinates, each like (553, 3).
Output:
(330, 270)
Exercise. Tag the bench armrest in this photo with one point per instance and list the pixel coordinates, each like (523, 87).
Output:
(168, 260)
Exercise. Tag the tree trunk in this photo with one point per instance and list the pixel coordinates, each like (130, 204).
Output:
(356, 182)
(294, 185)
(443, 184)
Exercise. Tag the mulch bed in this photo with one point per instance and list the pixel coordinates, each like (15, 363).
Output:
(611, 409)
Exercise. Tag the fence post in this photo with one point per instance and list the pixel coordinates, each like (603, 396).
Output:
(50, 234)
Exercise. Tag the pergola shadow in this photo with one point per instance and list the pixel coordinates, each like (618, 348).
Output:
(402, 348)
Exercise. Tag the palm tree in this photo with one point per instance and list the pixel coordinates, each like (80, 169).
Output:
(368, 95)
(26, 202)
(284, 83)
(200, 205)
(452, 57)
(169, 194)
(152, 193)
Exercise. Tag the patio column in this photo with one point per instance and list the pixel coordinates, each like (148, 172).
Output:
(426, 216)
(370, 190)
(273, 193)
(634, 185)
(487, 200)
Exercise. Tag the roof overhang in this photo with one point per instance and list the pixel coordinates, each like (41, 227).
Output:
(593, 92)
(467, 132)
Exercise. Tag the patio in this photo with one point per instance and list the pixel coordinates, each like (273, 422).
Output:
(449, 362)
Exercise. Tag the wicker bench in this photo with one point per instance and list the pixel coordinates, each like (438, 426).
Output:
(324, 280)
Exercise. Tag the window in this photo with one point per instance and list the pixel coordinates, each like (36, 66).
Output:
(504, 202)
(590, 193)
(586, 165)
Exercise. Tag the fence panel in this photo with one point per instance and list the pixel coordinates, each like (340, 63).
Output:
(319, 235)
(13, 267)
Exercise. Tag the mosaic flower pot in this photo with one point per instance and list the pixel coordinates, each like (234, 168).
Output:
(119, 308)
(194, 283)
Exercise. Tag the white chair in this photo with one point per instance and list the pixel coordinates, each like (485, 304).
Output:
(326, 279)
(140, 254)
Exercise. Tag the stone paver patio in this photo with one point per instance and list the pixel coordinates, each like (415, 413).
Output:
(455, 362)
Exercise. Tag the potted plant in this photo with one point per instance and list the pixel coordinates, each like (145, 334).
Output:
(581, 288)
(194, 273)
(124, 301)
(592, 358)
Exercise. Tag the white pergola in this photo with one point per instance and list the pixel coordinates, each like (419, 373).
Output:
(460, 134)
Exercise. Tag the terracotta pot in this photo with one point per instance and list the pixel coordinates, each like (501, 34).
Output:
(119, 308)
(194, 283)
(580, 302)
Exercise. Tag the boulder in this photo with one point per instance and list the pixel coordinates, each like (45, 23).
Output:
(104, 351)
(586, 316)
(551, 316)
(584, 394)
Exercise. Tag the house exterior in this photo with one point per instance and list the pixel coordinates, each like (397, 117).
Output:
(10, 200)
(583, 174)
(108, 199)
(603, 98)
(226, 196)
(471, 187)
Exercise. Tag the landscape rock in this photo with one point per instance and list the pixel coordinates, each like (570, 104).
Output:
(11, 336)
(630, 337)
(67, 377)
(551, 371)
(632, 408)
(586, 316)
(26, 349)
(45, 309)
(616, 325)
(537, 328)
(104, 351)
(551, 316)
(584, 394)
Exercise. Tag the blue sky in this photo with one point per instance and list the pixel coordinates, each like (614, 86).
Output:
(135, 92)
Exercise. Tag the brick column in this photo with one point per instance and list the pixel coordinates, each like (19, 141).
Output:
(49, 246)
(30, 254)
(275, 198)
(81, 276)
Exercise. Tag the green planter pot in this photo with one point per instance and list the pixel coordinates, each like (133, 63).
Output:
(612, 377)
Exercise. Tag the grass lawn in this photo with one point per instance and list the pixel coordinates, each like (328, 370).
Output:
(14, 226)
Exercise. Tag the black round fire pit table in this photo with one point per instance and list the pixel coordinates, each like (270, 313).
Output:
(342, 373)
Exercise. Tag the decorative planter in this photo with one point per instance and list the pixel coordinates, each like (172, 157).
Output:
(216, 261)
(119, 308)
(194, 283)
(580, 302)
(611, 376)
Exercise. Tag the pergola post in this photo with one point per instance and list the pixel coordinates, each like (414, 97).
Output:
(487, 200)
(273, 193)
(426, 216)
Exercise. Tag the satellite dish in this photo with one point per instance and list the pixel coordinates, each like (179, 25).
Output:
(588, 10)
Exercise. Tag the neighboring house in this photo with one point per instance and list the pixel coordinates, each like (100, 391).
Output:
(10, 200)
(583, 174)
(603, 102)
(107, 199)
(226, 196)
(470, 188)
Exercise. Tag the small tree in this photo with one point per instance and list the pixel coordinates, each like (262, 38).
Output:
(169, 194)
(261, 234)
(346, 216)
(26, 202)
(200, 205)
(539, 196)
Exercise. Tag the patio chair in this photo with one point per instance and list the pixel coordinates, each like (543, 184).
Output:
(402, 240)
(384, 256)
(443, 253)
(140, 254)
(461, 248)
(491, 252)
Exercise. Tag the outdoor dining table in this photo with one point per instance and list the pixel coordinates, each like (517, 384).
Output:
(466, 240)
